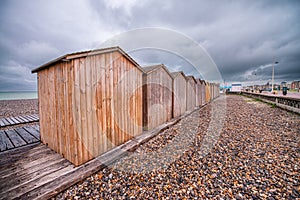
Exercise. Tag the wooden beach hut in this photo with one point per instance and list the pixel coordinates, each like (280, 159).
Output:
(198, 93)
(89, 102)
(191, 93)
(179, 93)
(157, 96)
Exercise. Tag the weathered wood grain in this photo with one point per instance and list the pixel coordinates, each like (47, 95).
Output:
(33, 131)
(15, 138)
(29, 138)
(5, 143)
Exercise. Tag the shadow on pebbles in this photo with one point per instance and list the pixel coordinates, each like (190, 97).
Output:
(254, 156)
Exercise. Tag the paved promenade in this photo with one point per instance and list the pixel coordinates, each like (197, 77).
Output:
(255, 156)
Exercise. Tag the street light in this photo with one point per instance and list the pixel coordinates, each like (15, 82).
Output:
(273, 75)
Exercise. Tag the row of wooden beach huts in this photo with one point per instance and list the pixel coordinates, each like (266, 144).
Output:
(92, 101)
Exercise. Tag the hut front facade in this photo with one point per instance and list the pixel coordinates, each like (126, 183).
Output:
(157, 96)
(179, 93)
(203, 92)
(198, 92)
(207, 92)
(89, 102)
(190, 93)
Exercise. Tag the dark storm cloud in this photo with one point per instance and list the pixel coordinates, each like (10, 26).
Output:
(242, 37)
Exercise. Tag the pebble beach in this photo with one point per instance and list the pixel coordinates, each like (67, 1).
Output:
(18, 107)
(256, 155)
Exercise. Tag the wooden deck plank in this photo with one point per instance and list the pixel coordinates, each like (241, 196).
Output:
(15, 153)
(28, 171)
(15, 138)
(13, 119)
(22, 163)
(18, 192)
(21, 117)
(36, 127)
(1, 123)
(5, 143)
(11, 122)
(35, 117)
(6, 123)
(33, 132)
(20, 120)
(17, 182)
(29, 119)
(26, 135)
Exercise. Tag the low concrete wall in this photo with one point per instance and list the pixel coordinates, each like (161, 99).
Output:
(288, 103)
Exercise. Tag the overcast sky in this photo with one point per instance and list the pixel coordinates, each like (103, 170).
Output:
(242, 37)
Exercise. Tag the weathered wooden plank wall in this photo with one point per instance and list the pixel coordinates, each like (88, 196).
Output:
(203, 95)
(89, 105)
(207, 92)
(179, 93)
(191, 93)
(198, 93)
(157, 98)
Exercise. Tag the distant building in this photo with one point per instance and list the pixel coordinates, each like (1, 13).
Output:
(295, 85)
(236, 87)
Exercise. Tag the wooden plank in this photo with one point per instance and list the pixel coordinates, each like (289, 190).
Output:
(5, 143)
(33, 157)
(19, 119)
(89, 122)
(2, 123)
(72, 115)
(33, 131)
(36, 127)
(77, 120)
(30, 119)
(26, 135)
(94, 123)
(14, 120)
(17, 192)
(83, 106)
(36, 116)
(24, 174)
(17, 184)
(39, 157)
(10, 121)
(6, 123)
(11, 154)
(15, 138)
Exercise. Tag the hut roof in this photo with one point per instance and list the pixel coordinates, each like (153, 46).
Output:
(152, 68)
(71, 56)
(175, 74)
(191, 77)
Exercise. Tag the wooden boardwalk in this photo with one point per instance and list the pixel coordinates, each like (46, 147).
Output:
(34, 171)
(10, 121)
(25, 169)
(17, 137)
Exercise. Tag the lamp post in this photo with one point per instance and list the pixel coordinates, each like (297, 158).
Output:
(272, 91)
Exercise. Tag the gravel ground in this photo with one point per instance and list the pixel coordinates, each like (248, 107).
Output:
(18, 107)
(256, 156)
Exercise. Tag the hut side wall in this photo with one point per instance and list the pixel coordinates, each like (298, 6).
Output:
(89, 105)
(158, 97)
(179, 95)
(191, 94)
